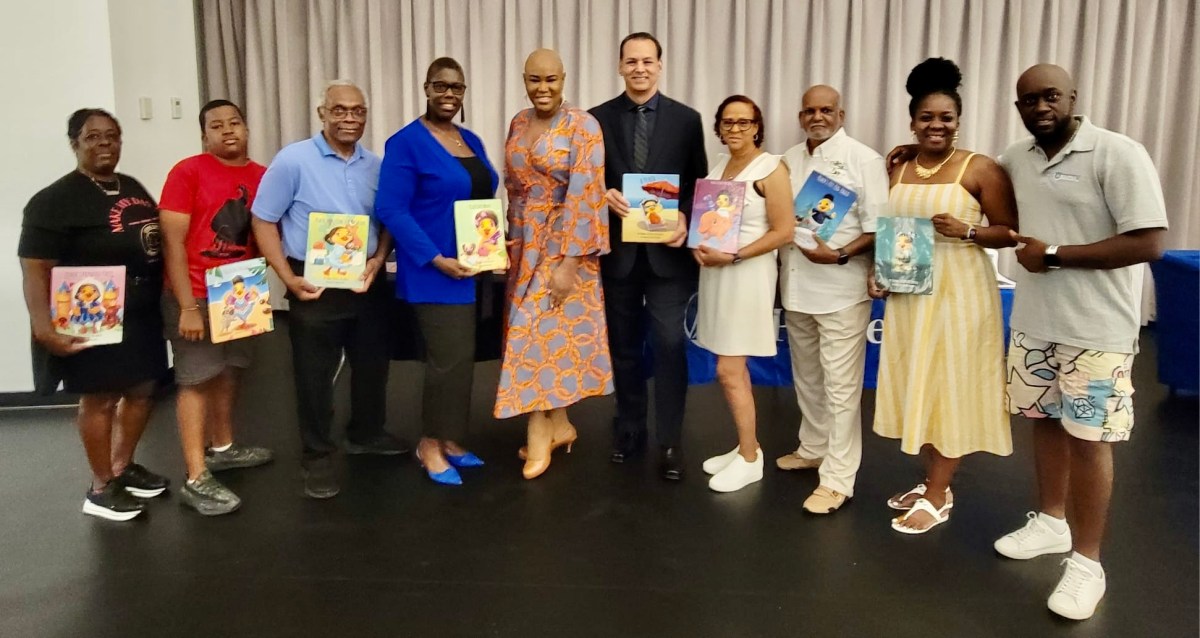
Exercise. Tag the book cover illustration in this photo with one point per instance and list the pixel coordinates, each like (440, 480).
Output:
(717, 215)
(904, 254)
(88, 302)
(239, 300)
(337, 250)
(822, 204)
(653, 207)
(479, 233)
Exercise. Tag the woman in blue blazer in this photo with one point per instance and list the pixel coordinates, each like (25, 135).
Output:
(427, 166)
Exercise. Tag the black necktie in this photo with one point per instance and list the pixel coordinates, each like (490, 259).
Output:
(641, 139)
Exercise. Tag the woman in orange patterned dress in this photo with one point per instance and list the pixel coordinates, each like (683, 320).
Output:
(556, 340)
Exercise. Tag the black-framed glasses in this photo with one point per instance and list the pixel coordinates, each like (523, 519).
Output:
(341, 112)
(737, 125)
(457, 88)
(1051, 96)
(95, 137)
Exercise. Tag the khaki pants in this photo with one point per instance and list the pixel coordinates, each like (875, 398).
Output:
(828, 355)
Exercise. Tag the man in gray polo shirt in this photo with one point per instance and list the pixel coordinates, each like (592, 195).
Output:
(1091, 213)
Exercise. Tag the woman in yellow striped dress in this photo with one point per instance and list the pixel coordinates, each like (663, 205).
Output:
(941, 380)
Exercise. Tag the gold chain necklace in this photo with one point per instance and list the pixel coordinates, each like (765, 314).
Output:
(445, 135)
(103, 189)
(926, 173)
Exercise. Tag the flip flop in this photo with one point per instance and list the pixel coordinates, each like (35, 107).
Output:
(922, 505)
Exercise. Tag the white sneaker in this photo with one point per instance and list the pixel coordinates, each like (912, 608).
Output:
(1033, 540)
(718, 463)
(738, 474)
(1078, 592)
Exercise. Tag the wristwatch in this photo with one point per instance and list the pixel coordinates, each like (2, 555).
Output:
(737, 258)
(970, 234)
(843, 257)
(1051, 258)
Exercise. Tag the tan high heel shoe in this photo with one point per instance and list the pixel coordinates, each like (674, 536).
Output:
(567, 438)
(538, 460)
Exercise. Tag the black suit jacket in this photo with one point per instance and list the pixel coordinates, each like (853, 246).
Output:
(676, 147)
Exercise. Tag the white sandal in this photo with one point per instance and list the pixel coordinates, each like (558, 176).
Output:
(897, 502)
(922, 505)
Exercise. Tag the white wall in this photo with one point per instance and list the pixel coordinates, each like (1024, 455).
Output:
(154, 56)
(62, 55)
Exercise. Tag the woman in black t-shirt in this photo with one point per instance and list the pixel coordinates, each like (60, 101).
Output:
(94, 216)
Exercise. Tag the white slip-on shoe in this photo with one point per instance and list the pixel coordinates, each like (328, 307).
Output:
(718, 463)
(738, 474)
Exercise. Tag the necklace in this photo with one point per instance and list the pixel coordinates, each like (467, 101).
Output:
(104, 189)
(926, 173)
(444, 135)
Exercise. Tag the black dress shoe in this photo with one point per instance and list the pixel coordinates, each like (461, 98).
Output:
(627, 447)
(671, 463)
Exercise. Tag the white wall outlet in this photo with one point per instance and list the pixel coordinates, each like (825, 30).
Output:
(176, 108)
(145, 108)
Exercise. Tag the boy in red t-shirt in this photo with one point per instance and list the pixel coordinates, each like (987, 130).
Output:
(204, 213)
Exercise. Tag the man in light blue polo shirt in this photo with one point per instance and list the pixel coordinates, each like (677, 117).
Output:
(1091, 214)
(330, 172)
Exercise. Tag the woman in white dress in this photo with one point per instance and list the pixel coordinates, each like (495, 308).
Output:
(735, 318)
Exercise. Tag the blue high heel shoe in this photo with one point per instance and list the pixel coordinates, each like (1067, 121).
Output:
(466, 459)
(448, 476)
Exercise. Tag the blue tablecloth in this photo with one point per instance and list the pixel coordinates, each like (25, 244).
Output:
(777, 370)
(1177, 291)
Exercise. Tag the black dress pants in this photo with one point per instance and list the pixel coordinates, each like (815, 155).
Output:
(633, 303)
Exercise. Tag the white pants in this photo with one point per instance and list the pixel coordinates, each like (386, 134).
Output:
(828, 355)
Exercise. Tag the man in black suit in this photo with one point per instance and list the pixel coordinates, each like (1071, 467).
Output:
(647, 132)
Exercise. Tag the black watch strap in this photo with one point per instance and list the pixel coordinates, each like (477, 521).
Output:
(843, 257)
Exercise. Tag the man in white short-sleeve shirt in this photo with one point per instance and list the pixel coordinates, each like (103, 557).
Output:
(823, 285)
(1091, 213)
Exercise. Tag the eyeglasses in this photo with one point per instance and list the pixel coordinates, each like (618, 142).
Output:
(1030, 100)
(95, 137)
(457, 88)
(737, 125)
(341, 112)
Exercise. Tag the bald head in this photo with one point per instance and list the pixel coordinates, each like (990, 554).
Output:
(1046, 102)
(821, 114)
(1043, 75)
(543, 62)
(544, 77)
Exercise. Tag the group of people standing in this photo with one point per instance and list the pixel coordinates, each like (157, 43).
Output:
(582, 303)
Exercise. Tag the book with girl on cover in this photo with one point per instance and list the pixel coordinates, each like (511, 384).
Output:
(717, 215)
(479, 234)
(88, 302)
(653, 207)
(337, 250)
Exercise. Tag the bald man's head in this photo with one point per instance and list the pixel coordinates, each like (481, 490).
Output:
(821, 114)
(544, 76)
(1046, 101)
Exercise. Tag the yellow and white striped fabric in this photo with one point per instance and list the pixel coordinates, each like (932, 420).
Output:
(941, 375)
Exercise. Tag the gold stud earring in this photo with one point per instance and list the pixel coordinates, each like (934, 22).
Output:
(955, 140)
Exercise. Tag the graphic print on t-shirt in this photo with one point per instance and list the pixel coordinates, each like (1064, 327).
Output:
(231, 228)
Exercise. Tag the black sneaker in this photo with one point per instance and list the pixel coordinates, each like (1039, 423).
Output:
(382, 444)
(141, 482)
(208, 496)
(319, 478)
(112, 503)
(237, 456)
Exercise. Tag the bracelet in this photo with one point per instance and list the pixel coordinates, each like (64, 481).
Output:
(187, 309)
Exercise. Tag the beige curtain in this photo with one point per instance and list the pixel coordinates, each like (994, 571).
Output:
(1136, 62)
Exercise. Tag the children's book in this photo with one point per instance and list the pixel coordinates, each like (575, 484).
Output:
(653, 207)
(479, 233)
(822, 204)
(239, 300)
(337, 250)
(904, 254)
(88, 302)
(717, 215)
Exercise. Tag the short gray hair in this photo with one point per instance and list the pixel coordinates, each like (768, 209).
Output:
(340, 82)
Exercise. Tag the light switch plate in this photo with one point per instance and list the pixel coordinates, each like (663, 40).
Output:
(145, 108)
(176, 108)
